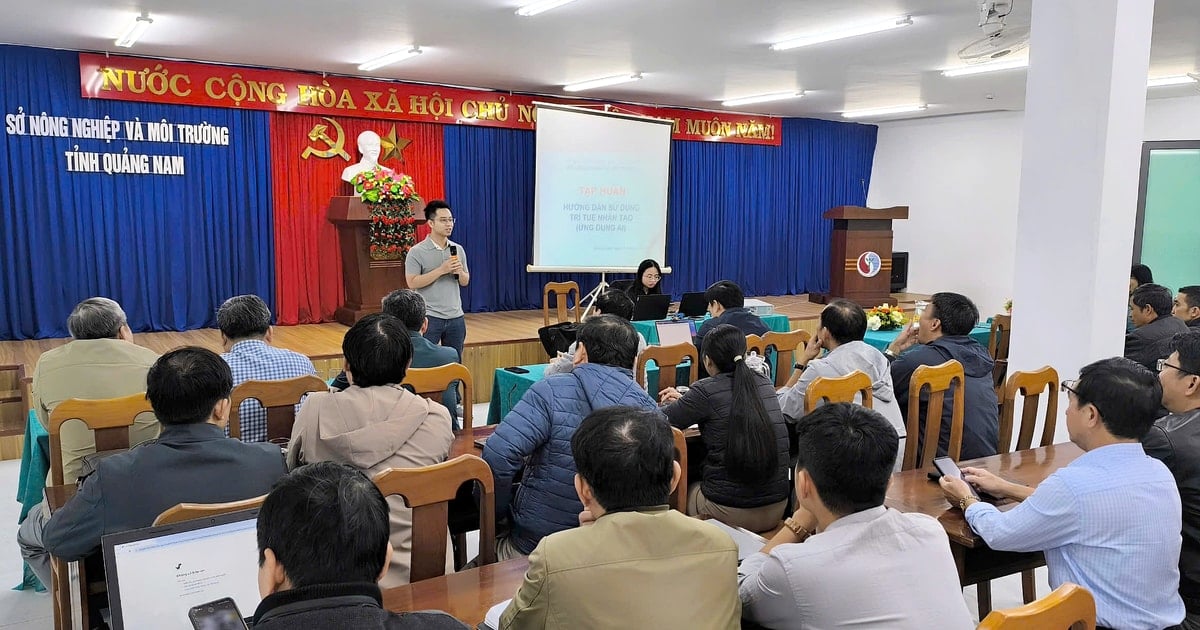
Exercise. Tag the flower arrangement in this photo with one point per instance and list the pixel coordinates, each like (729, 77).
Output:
(390, 197)
(885, 317)
(1008, 306)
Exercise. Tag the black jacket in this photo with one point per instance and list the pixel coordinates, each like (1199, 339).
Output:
(190, 463)
(1175, 440)
(708, 404)
(1151, 342)
(980, 413)
(353, 605)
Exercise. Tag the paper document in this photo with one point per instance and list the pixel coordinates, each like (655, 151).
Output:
(492, 619)
(747, 541)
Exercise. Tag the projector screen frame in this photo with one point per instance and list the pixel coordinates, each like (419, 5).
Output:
(536, 269)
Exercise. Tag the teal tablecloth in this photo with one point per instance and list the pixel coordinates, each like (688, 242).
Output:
(31, 484)
(775, 322)
(508, 388)
(881, 338)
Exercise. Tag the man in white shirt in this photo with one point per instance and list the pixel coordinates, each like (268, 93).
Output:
(843, 559)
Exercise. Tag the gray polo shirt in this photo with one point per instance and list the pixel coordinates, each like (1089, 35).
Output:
(443, 298)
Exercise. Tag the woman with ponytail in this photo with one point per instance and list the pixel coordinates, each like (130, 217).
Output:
(744, 480)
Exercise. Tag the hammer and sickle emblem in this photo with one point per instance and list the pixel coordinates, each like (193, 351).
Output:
(336, 145)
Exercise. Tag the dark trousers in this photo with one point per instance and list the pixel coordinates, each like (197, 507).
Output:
(448, 332)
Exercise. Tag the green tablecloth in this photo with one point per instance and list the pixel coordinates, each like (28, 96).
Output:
(775, 322)
(508, 388)
(31, 484)
(881, 338)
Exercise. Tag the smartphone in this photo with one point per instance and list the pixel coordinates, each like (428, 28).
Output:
(516, 370)
(948, 468)
(221, 614)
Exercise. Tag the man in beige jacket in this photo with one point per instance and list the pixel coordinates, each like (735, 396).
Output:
(376, 424)
(633, 563)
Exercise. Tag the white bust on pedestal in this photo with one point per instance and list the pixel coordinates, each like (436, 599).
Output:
(368, 145)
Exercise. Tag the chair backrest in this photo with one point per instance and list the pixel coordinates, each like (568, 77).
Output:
(784, 344)
(279, 398)
(428, 491)
(680, 493)
(998, 341)
(562, 293)
(667, 358)
(189, 511)
(620, 285)
(1068, 607)
(839, 389)
(1029, 385)
(755, 343)
(431, 383)
(108, 418)
(14, 399)
(938, 379)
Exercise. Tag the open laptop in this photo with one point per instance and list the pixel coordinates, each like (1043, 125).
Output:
(675, 332)
(693, 305)
(651, 307)
(157, 574)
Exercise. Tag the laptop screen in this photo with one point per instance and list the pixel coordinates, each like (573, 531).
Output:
(157, 575)
(671, 333)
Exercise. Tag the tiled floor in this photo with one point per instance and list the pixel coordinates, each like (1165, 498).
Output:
(26, 610)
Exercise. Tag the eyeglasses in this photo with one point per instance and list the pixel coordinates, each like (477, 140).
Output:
(652, 276)
(1069, 386)
(1162, 363)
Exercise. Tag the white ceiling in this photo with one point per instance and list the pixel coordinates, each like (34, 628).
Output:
(693, 53)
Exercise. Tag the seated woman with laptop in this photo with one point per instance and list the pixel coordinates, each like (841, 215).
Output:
(744, 479)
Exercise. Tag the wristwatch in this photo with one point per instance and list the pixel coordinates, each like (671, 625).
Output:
(887, 352)
(798, 367)
(797, 528)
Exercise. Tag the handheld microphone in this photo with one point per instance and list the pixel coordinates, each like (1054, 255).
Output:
(863, 182)
(454, 256)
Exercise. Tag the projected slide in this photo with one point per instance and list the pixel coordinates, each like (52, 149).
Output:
(601, 192)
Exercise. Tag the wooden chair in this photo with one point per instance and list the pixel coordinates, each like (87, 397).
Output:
(279, 398)
(667, 358)
(754, 343)
(938, 379)
(431, 383)
(110, 420)
(14, 399)
(839, 389)
(785, 351)
(998, 349)
(562, 294)
(1069, 607)
(679, 496)
(190, 511)
(428, 491)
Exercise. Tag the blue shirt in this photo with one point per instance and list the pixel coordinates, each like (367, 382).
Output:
(1110, 522)
(254, 360)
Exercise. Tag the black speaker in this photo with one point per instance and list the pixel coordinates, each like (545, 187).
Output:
(899, 272)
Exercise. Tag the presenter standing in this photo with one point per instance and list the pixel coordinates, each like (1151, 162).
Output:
(437, 269)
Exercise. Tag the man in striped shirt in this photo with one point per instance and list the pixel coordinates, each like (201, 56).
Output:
(1110, 520)
(245, 323)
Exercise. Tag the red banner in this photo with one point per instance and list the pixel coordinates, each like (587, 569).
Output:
(187, 83)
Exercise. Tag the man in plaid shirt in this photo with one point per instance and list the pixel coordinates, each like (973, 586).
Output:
(245, 323)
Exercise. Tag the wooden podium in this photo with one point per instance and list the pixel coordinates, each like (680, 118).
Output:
(366, 280)
(860, 260)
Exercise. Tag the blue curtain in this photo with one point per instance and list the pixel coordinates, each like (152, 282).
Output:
(170, 249)
(747, 213)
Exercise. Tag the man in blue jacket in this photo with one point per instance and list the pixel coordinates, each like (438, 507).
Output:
(536, 434)
(943, 334)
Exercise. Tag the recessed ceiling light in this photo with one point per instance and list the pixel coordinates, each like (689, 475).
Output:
(389, 59)
(534, 8)
(762, 98)
(134, 31)
(883, 111)
(980, 68)
(1180, 79)
(604, 82)
(843, 33)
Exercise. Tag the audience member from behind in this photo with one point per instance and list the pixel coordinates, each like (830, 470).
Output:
(245, 323)
(634, 563)
(943, 333)
(101, 361)
(1175, 440)
(1108, 521)
(607, 303)
(1186, 307)
(409, 307)
(727, 305)
(744, 480)
(191, 462)
(376, 424)
(322, 547)
(843, 327)
(1150, 307)
(844, 559)
(536, 434)
(648, 280)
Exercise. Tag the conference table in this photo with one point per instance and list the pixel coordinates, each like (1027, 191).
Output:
(508, 388)
(466, 595)
(649, 329)
(880, 339)
(31, 482)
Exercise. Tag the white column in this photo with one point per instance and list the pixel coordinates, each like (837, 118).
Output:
(1084, 116)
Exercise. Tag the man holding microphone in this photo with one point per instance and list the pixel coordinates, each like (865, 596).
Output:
(437, 268)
